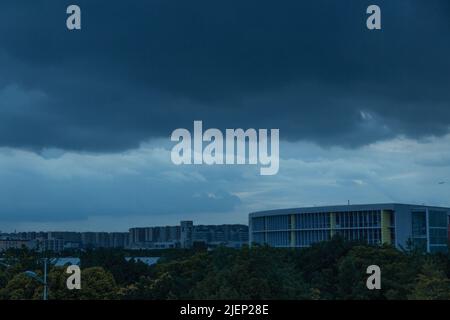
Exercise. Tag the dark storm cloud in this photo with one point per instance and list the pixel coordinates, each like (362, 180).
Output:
(140, 69)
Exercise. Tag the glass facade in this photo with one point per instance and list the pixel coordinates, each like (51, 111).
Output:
(306, 238)
(419, 230)
(429, 230)
(312, 220)
(438, 228)
(304, 229)
(277, 223)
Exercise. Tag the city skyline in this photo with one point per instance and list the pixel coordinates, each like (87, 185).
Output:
(114, 231)
(183, 235)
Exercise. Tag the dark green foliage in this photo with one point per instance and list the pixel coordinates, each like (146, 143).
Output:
(329, 270)
(124, 272)
(431, 283)
(257, 273)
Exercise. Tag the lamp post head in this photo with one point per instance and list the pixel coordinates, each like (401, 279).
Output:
(34, 276)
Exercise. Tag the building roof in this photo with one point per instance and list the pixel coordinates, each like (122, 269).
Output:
(61, 262)
(342, 208)
(147, 260)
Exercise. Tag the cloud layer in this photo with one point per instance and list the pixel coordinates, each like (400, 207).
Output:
(139, 70)
(85, 116)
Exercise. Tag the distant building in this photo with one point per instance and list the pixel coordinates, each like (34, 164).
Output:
(139, 236)
(424, 227)
(55, 245)
(89, 239)
(32, 235)
(65, 236)
(69, 240)
(187, 234)
(6, 244)
(231, 235)
(169, 234)
(72, 245)
(62, 240)
(102, 240)
(119, 239)
(155, 237)
(159, 237)
(95, 240)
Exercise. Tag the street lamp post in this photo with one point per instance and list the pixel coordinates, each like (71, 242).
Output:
(43, 280)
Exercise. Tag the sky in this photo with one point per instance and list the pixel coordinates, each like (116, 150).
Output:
(86, 116)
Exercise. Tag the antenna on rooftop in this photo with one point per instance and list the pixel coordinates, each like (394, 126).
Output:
(348, 202)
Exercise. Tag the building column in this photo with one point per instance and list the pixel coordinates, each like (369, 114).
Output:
(292, 230)
(332, 224)
(386, 227)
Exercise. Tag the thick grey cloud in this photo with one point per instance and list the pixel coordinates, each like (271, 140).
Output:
(140, 69)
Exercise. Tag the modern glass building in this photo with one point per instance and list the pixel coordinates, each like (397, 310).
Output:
(397, 224)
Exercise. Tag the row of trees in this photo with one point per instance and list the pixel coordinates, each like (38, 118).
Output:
(329, 270)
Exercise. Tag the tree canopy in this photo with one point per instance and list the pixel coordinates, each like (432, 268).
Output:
(329, 270)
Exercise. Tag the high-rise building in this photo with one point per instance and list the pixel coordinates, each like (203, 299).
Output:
(186, 234)
(74, 237)
(186, 230)
(118, 239)
(54, 245)
(232, 235)
(138, 236)
(102, 239)
(6, 244)
(88, 239)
